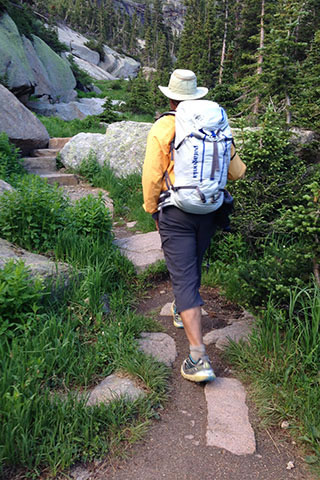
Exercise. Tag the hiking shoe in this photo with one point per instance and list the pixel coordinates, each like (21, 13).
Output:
(198, 372)
(177, 322)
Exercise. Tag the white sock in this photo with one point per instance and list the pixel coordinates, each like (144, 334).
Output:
(197, 351)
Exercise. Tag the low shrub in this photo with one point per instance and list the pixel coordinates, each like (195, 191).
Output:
(10, 163)
(33, 214)
(19, 298)
(97, 46)
(275, 179)
(89, 216)
(126, 192)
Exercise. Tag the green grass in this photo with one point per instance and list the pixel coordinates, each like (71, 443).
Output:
(57, 345)
(112, 89)
(126, 192)
(60, 128)
(282, 360)
(282, 364)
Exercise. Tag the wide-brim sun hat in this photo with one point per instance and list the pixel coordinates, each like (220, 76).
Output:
(183, 86)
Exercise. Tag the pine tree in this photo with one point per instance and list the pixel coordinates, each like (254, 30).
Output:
(191, 41)
(148, 48)
(306, 109)
(280, 67)
(140, 100)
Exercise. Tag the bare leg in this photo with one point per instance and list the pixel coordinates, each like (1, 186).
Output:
(197, 366)
(191, 319)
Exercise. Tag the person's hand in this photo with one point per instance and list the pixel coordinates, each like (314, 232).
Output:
(157, 225)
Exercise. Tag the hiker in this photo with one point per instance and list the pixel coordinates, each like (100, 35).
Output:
(185, 228)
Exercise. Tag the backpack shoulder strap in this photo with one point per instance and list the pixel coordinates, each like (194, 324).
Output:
(164, 114)
(235, 150)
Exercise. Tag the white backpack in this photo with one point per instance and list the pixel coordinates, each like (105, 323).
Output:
(201, 154)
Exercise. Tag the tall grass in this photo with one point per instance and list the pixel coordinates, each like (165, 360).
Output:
(283, 362)
(67, 342)
(57, 127)
(126, 192)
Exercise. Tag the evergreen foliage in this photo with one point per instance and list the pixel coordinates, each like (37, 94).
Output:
(247, 53)
(28, 24)
(140, 100)
(252, 52)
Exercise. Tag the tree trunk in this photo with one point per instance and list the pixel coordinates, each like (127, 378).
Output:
(260, 58)
(288, 105)
(224, 42)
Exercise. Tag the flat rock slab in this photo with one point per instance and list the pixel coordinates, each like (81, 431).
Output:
(160, 345)
(237, 331)
(112, 388)
(166, 311)
(245, 315)
(80, 473)
(143, 249)
(5, 187)
(75, 192)
(228, 422)
(39, 265)
(60, 178)
(131, 224)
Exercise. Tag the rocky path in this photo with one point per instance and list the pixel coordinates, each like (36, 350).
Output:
(207, 432)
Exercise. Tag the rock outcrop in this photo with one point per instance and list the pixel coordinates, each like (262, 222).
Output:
(60, 77)
(5, 187)
(95, 71)
(14, 65)
(31, 66)
(39, 265)
(68, 111)
(122, 147)
(23, 128)
(114, 65)
(173, 12)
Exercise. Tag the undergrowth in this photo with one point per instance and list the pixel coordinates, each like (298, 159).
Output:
(126, 192)
(270, 265)
(282, 362)
(61, 336)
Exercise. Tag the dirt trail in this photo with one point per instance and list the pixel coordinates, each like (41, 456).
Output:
(175, 446)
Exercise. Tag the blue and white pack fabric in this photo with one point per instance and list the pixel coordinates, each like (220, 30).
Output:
(201, 154)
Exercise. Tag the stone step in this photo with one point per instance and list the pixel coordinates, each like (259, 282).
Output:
(46, 152)
(40, 164)
(60, 178)
(142, 250)
(58, 142)
(228, 420)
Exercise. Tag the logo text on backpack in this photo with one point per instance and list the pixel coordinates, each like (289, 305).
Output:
(195, 160)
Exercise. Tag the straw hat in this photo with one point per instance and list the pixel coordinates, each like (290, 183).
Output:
(183, 86)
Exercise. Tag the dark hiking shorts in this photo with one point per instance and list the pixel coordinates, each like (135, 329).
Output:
(185, 238)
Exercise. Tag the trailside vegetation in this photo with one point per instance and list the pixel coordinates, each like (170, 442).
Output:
(59, 337)
(260, 60)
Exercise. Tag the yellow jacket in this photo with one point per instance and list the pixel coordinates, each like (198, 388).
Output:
(158, 161)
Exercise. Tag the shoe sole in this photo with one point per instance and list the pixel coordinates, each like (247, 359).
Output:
(204, 376)
(175, 322)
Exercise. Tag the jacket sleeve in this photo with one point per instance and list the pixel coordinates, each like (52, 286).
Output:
(157, 160)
